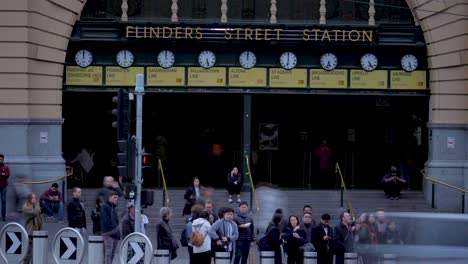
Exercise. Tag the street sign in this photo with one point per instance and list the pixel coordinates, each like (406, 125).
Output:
(69, 246)
(136, 248)
(14, 243)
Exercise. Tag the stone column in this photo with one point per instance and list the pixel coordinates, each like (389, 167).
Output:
(224, 9)
(273, 11)
(174, 9)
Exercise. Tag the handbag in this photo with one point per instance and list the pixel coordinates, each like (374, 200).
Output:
(307, 247)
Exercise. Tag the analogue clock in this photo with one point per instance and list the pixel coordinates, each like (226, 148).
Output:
(206, 59)
(369, 62)
(409, 62)
(247, 59)
(166, 59)
(125, 58)
(288, 60)
(329, 61)
(83, 58)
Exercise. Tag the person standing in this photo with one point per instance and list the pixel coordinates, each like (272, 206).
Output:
(4, 174)
(225, 232)
(202, 252)
(307, 226)
(321, 239)
(51, 200)
(110, 226)
(234, 184)
(33, 221)
(76, 213)
(164, 234)
(272, 240)
(96, 217)
(192, 194)
(246, 230)
(326, 159)
(343, 238)
(128, 223)
(295, 238)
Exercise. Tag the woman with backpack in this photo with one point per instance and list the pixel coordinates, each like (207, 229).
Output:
(200, 239)
(272, 240)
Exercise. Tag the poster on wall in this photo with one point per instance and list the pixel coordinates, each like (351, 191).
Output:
(268, 136)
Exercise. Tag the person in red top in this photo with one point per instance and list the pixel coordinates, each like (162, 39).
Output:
(326, 160)
(4, 174)
(52, 200)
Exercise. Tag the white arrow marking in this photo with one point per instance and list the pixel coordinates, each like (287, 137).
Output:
(70, 248)
(16, 243)
(138, 253)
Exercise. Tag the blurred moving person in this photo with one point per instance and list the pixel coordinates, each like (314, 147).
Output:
(4, 175)
(33, 220)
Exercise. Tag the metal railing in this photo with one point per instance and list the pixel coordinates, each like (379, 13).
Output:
(252, 186)
(344, 190)
(166, 199)
(434, 181)
(69, 170)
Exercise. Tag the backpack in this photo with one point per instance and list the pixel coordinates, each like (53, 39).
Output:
(196, 238)
(183, 238)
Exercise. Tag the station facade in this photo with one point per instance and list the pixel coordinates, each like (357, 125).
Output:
(384, 83)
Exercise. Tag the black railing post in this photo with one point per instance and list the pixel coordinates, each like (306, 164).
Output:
(463, 203)
(433, 190)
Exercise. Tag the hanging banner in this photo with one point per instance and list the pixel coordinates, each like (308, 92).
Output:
(89, 76)
(118, 76)
(320, 78)
(157, 76)
(241, 77)
(212, 77)
(408, 80)
(362, 79)
(281, 78)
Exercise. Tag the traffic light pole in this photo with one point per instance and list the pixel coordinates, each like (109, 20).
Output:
(139, 92)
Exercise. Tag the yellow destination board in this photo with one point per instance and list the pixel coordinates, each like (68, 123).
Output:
(295, 78)
(240, 77)
(198, 76)
(328, 79)
(408, 80)
(157, 76)
(122, 76)
(90, 76)
(369, 80)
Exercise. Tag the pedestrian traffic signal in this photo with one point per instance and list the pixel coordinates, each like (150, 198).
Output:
(126, 158)
(121, 113)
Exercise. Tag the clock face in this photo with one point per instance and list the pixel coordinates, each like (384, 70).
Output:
(247, 59)
(369, 62)
(409, 62)
(329, 61)
(166, 59)
(83, 58)
(288, 60)
(206, 59)
(125, 58)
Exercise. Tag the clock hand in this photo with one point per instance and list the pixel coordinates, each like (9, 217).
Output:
(328, 64)
(370, 64)
(165, 55)
(125, 55)
(207, 62)
(82, 53)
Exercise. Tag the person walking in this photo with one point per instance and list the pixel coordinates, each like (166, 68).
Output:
(343, 238)
(192, 194)
(33, 221)
(110, 226)
(4, 175)
(234, 184)
(164, 234)
(76, 213)
(128, 222)
(96, 217)
(246, 230)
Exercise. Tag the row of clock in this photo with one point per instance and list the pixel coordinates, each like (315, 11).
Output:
(247, 60)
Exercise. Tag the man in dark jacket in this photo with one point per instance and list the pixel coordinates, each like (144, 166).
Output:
(245, 225)
(4, 174)
(128, 223)
(76, 213)
(321, 239)
(164, 234)
(110, 226)
(307, 226)
(343, 238)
